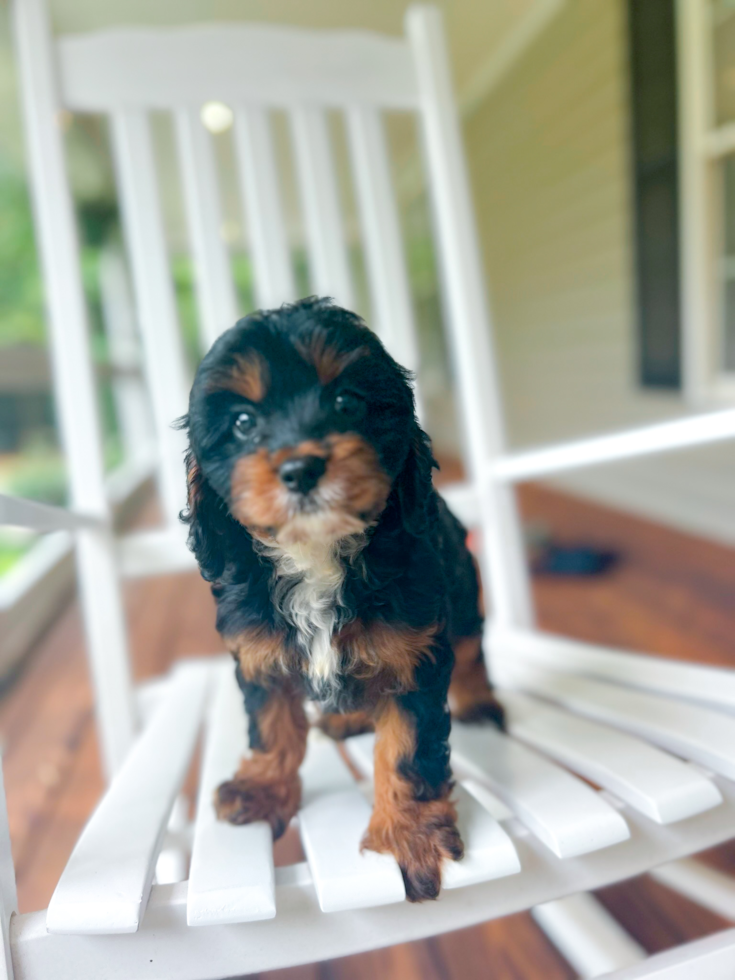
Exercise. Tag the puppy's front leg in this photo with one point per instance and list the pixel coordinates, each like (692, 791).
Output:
(267, 784)
(413, 816)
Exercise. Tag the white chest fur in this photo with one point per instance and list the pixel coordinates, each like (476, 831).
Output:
(309, 577)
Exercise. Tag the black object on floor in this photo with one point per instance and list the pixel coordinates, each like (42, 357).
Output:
(574, 560)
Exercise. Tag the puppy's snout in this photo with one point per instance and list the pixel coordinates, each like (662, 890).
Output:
(302, 473)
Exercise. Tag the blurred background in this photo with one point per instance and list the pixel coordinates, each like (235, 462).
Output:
(600, 139)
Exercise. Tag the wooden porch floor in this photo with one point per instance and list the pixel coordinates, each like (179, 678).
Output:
(670, 594)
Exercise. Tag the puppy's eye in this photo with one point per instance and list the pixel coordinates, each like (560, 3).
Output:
(349, 405)
(244, 424)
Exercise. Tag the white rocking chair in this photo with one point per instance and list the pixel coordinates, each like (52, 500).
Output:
(657, 737)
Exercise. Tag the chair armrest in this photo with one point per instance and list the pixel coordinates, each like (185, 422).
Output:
(17, 512)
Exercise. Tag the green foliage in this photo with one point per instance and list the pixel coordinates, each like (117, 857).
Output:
(186, 301)
(21, 291)
(10, 552)
(38, 474)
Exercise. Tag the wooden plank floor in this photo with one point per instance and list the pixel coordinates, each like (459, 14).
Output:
(670, 594)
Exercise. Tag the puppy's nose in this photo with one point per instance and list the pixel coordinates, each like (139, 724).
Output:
(302, 473)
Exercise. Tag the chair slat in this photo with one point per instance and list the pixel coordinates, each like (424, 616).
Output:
(105, 885)
(265, 64)
(713, 958)
(489, 851)
(588, 937)
(698, 734)
(695, 880)
(231, 878)
(564, 813)
(384, 255)
(274, 278)
(156, 552)
(164, 359)
(360, 749)
(302, 933)
(328, 259)
(332, 822)
(513, 648)
(662, 787)
(215, 287)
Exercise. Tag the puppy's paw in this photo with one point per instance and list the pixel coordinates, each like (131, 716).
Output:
(420, 841)
(341, 726)
(243, 800)
(483, 711)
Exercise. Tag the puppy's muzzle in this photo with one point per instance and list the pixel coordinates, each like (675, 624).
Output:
(301, 475)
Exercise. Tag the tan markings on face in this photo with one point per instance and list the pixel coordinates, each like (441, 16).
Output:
(260, 653)
(328, 361)
(248, 376)
(386, 653)
(354, 486)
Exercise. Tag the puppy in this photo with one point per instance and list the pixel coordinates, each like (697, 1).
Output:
(338, 571)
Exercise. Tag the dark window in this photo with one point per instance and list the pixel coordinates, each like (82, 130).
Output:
(656, 189)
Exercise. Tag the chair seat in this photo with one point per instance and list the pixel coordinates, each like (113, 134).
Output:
(566, 801)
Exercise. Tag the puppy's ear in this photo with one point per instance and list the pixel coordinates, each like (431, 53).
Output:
(208, 522)
(413, 484)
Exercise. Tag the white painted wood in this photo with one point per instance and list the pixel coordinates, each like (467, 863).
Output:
(695, 79)
(59, 248)
(329, 265)
(587, 936)
(564, 813)
(469, 325)
(696, 430)
(712, 958)
(105, 885)
(17, 512)
(231, 877)
(132, 407)
(702, 735)
(695, 682)
(155, 553)
(301, 933)
(172, 864)
(236, 63)
(73, 378)
(274, 278)
(463, 499)
(360, 749)
(8, 893)
(384, 255)
(662, 787)
(332, 821)
(489, 851)
(164, 360)
(720, 142)
(494, 806)
(698, 882)
(217, 301)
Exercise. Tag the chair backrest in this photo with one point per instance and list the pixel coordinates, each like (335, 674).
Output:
(126, 74)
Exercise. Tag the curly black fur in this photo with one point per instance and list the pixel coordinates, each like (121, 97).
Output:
(414, 571)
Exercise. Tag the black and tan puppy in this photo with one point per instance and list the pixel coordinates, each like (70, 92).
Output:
(339, 573)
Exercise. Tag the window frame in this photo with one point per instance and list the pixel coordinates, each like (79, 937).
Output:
(703, 146)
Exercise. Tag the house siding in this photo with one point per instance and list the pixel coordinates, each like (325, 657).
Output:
(549, 158)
